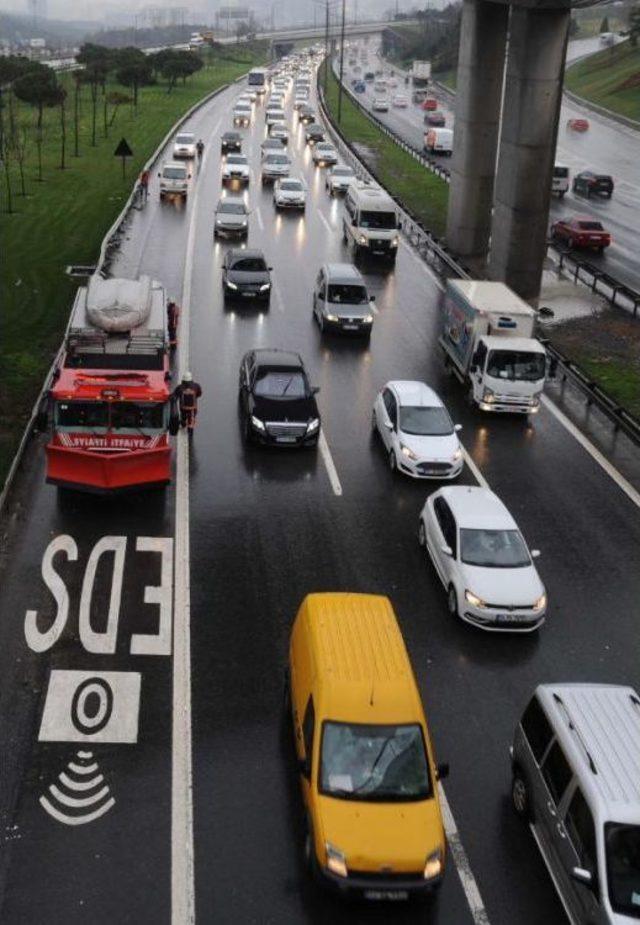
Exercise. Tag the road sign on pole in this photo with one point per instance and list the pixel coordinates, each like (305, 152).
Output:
(124, 151)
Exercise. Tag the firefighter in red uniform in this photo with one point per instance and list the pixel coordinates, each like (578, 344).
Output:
(187, 395)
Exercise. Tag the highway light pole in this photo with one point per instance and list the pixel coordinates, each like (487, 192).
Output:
(327, 6)
(341, 62)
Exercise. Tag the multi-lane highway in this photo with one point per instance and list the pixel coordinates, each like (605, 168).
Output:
(607, 147)
(255, 532)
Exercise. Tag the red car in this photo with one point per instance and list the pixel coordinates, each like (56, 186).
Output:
(578, 125)
(430, 104)
(581, 231)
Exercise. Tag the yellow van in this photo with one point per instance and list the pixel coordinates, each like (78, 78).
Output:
(367, 769)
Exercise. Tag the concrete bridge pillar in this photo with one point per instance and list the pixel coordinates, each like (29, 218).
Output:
(479, 90)
(531, 110)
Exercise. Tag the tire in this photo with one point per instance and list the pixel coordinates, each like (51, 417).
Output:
(374, 422)
(452, 601)
(520, 795)
(246, 430)
(393, 462)
(422, 534)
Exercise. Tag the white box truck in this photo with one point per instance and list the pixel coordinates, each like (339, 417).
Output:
(488, 343)
(420, 72)
(439, 141)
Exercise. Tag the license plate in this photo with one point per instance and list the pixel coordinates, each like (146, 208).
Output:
(504, 618)
(286, 439)
(350, 327)
(248, 295)
(386, 894)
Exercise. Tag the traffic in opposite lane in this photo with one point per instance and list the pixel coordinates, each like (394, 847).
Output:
(269, 527)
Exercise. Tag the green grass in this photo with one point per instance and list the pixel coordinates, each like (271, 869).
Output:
(610, 78)
(617, 378)
(448, 78)
(424, 194)
(63, 220)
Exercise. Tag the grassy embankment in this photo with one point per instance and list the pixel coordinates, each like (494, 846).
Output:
(424, 193)
(610, 78)
(63, 220)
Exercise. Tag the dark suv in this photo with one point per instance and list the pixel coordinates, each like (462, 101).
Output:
(588, 183)
(245, 275)
(230, 141)
(277, 404)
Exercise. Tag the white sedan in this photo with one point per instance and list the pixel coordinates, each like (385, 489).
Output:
(400, 101)
(417, 432)
(279, 130)
(289, 193)
(482, 560)
(235, 169)
(380, 104)
(184, 146)
(338, 179)
(324, 154)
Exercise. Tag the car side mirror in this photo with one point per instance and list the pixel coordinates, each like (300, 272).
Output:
(583, 876)
(447, 550)
(269, 269)
(315, 389)
(442, 771)
(457, 428)
(535, 553)
(390, 426)
(372, 298)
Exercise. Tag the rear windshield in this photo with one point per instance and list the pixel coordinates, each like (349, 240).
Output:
(232, 208)
(348, 295)
(174, 173)
(237, 159)
(277, 159)
(382, 220)
(590, 226)
(342, 172)
(561, 171)
(291, 185)
(249, 265)
(185, 139)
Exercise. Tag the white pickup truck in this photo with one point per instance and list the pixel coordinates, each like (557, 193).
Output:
(488, 343)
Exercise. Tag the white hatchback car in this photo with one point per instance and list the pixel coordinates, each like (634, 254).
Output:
(235, 169)
(482, 560)
(290, 193)
(184, 146)
(417, 432)
(324, 154)
(338, 179)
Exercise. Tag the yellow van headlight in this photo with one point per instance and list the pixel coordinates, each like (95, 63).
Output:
(336, 862)
(433, 866)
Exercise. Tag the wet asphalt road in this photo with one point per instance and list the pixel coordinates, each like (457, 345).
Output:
(267, 528)
(607, 147)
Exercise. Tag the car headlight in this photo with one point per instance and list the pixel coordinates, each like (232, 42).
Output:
(331, 317)
(408, 452)
(457, 455)
(265, 286)
(231, 285)
(363, 239)
(473, 599)
(336, 861)
(368, 319)
(489, 396)
(313, 425)
(541, 603)
(395, 241)
(256, 422)
(433, 865)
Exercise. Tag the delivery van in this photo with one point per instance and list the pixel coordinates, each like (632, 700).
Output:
(560, 180)
(439, 141)
(370, 221)
(367, 770)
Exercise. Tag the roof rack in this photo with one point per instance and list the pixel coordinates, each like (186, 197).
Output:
(574, 730)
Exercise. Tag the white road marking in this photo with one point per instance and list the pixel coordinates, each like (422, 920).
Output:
(278, 294)
(474, 467)
(76, 820)
(325, 222)
(595, 453)
(327, 459)
(182, 850)
(259, 217)
(65, 717)
(468, 881)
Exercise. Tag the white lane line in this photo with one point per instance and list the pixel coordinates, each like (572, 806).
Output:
(468, 881)
(474, 467)
(259, 217)
(182, 850)
(595, 453)
(278, 294)
(327, 459)
(325, 222)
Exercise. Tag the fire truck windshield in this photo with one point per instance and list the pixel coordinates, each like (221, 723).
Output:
(102, 417)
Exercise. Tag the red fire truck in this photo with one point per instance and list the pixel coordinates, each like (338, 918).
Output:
(110, 399)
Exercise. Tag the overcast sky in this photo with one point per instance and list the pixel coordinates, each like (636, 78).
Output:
(285, 10)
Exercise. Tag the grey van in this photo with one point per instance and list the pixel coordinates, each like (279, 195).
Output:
(341, 301)
(576, 780)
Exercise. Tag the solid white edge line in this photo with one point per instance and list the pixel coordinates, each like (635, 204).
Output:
(468, 881)
(259, 217)
(327, 459)
(595, 453)
(278, 294)
(182, 846)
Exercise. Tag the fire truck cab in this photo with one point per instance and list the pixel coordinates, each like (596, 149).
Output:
(110, 398)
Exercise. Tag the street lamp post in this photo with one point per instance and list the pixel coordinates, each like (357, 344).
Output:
(342, 25)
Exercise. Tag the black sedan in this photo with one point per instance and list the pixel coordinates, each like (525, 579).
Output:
(277, 404)
(589, 183)
(230, 141)
(245, 275)
(314, 133)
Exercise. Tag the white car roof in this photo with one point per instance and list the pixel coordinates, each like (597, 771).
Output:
(477, 508)
(411, 392)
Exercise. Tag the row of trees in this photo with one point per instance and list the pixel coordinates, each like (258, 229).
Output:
(38, 86)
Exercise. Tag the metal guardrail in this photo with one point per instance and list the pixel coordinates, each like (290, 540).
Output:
(617, 293)
(434, 251)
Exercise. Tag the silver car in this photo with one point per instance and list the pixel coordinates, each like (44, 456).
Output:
(231, 218)
(275, 166)
(341, 301)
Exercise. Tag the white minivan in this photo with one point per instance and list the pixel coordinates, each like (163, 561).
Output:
(174, 180)
(439, 141)
(370, 221)
(560, 180)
